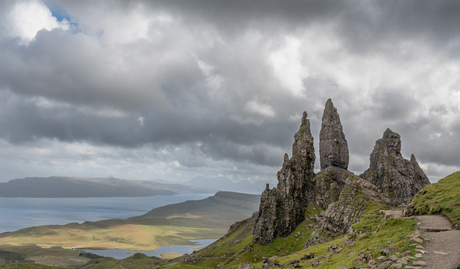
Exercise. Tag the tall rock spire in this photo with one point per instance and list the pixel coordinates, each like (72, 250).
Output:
(333, 147)
(283, 208)
(397, 178)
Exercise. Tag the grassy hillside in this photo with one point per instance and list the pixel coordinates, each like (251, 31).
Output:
(370, 236)
(442, 197)
(232, 203)
(31, 253)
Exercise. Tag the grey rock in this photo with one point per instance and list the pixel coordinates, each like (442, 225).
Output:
(397, 178)
(328, 186)
(387, 251)
(385, 265)
(346, 211)
(333, 147)
(419, 263)
(246, 265)
(283, 208)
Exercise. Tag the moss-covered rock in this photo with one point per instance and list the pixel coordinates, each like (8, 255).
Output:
(356, 198)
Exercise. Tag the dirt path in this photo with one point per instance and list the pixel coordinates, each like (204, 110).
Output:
(443, 248)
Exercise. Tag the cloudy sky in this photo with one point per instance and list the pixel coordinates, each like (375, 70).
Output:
(175, 89)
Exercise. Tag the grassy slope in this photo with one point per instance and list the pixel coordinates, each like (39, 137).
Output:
(25, 266)
(441, 197)
(122, 236)
(28, 252)
(391, 234)
(236, 248)
(231, 203)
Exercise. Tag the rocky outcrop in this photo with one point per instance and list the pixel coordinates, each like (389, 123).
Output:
(356, 196)
(333, 147)
(328, 186)
(344, 196)
(283, 208)
(397, 178)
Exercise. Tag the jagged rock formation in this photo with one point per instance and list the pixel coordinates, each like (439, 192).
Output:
(333, 147)
(283, 208)
(354, 199)
(344, 196)
(397, 178)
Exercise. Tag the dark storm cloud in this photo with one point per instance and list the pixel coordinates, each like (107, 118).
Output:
(200, 77)
(29, 120)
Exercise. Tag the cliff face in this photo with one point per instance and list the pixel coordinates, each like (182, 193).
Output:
(397, 178)
(333, 147)
(283, 208)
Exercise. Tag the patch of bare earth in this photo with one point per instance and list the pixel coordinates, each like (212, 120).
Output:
(442, 250)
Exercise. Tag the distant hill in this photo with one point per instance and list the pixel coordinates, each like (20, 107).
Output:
(54, 187)
(174, 224)
(224, 205)
(225, 184)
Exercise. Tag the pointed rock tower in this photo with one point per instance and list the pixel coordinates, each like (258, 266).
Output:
(397, 178)
(283, 208)
(333, 147)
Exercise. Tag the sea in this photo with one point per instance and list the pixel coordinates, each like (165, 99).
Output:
(19, 213)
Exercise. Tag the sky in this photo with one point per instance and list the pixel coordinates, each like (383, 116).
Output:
(174, 89)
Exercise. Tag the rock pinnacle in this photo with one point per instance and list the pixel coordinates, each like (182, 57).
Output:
(333, 147)
(397, 178)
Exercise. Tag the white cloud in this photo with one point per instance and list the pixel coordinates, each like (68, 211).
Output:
(288, 68)
(141, 121)
(26, 18)
(260, 108)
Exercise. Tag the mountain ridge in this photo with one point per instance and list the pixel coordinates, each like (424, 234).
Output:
(225, 184)
(75, 187)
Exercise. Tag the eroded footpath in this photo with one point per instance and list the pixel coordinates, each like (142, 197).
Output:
(442, 250)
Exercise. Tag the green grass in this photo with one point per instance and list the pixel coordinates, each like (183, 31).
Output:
(25, 266)
(370, 235)
(391, 234)
(54, 256)
(237, 247)
(442, 197)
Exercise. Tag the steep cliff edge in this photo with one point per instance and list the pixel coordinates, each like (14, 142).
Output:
(397, 178)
